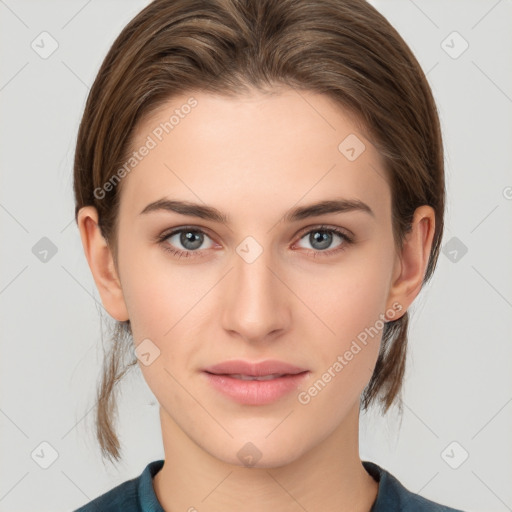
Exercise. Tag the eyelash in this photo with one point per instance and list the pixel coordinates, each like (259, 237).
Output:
(347, 240)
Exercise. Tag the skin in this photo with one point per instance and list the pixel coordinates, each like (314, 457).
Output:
(254, 157)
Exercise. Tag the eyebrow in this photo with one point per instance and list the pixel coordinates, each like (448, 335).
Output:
(296, 214)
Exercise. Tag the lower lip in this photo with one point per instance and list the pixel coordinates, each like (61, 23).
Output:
(256, 392)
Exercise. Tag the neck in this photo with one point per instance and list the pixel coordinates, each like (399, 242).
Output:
(329, 477)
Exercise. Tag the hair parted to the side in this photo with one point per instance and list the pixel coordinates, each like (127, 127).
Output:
(344, 49)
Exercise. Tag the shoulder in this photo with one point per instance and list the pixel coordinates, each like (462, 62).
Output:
(393, 496)
(123, 497)
(128, 496)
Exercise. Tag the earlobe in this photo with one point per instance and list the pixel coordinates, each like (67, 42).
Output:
(413, 259)
(101, 263)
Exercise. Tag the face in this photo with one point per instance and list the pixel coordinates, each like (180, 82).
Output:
(266, 282)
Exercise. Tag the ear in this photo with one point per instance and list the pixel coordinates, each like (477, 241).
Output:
(412, 261)
(101, 263)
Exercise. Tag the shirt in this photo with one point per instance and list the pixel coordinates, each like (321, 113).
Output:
(138, 495)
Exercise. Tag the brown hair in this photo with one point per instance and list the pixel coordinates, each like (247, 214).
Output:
(344, 49)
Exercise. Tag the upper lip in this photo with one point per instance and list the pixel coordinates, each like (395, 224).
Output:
(255, 369)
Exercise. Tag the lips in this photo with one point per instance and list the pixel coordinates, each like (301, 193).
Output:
(255, 383)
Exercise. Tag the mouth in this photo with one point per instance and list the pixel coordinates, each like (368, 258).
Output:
(256, 390)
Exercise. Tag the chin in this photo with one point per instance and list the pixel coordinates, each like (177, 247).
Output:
(257, 453)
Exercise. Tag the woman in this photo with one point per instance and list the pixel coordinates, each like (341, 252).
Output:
(259, 190)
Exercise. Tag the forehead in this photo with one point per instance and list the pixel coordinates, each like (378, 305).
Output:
(257, 150)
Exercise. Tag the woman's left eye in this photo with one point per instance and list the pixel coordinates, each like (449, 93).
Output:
(321, 239)
(191, 239)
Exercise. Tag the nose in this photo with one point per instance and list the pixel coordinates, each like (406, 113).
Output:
(256, 303)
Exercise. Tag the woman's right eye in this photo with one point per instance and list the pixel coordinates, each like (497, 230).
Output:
(189, 239)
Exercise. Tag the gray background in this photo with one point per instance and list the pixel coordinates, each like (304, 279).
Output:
(458, 390)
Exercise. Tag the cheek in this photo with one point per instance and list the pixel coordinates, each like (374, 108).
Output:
(344, 360)
(351, 298)
(352, 304)
(157, 292)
